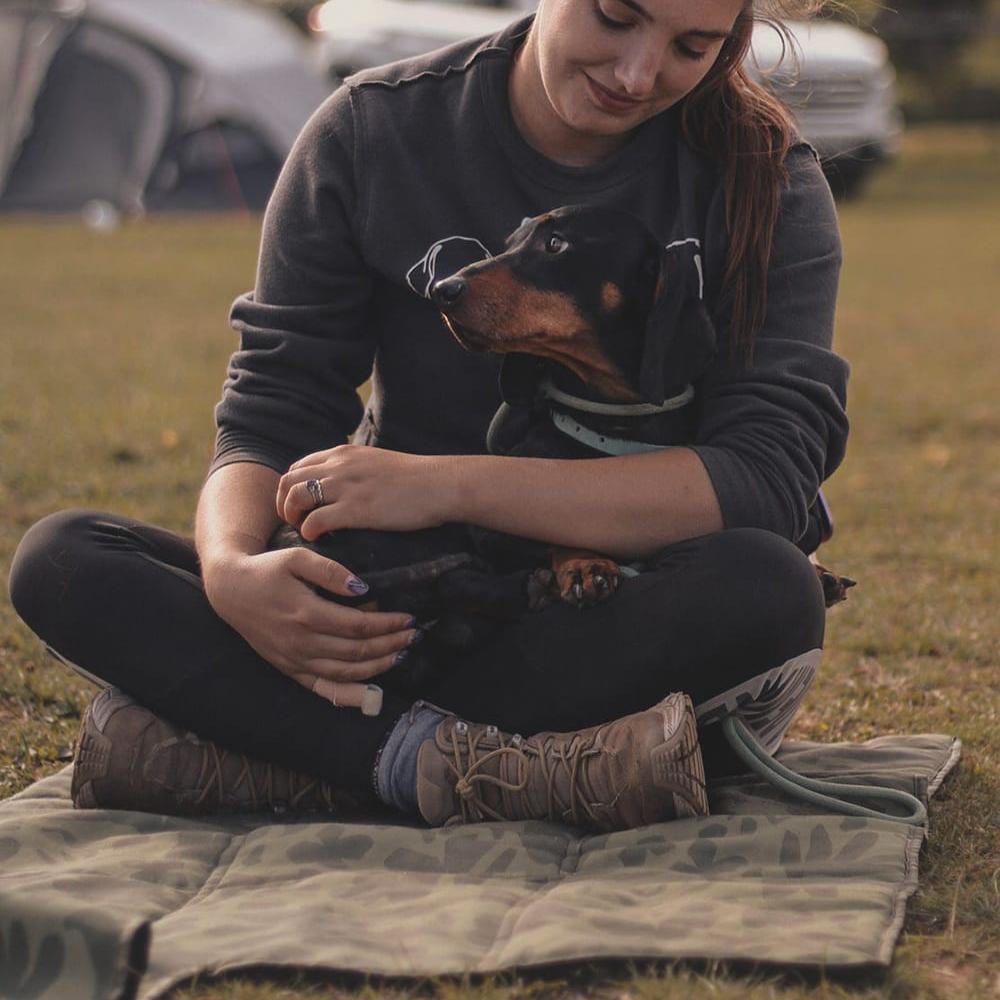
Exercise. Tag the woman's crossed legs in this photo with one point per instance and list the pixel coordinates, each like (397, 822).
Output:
(731, 618)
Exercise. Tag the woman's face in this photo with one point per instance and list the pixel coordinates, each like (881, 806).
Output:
(605, 66)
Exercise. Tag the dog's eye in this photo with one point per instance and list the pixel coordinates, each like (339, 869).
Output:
(555, 244)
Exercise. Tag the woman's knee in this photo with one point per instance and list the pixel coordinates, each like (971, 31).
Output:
(46, 558)
(776, 583)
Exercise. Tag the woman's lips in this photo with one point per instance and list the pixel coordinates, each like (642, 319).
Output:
(608, 101)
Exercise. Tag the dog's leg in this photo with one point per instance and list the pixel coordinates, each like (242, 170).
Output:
(501, 597)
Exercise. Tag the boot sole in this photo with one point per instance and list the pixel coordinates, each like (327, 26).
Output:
(93, 752)
(677, 764)
(768, 702)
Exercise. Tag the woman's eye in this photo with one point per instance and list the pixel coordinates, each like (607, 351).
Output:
(610, 22)
(555, 244)
(689, 53)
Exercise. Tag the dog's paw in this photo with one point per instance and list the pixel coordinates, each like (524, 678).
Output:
(586, 581)
(834, 587)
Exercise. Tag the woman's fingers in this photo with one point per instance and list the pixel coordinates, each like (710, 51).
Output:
(294, 499)
(345, 694)
(319, 645)
(342, 643)
(270, 600)
(329, 575)
(360, 487)
(330, 517)
(350, 670)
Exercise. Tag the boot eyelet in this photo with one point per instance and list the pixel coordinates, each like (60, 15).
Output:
(461, 727)
(492, 731)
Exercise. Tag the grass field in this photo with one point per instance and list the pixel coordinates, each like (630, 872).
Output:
(112, 355)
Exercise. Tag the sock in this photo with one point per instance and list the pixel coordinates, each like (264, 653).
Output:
(396, 766)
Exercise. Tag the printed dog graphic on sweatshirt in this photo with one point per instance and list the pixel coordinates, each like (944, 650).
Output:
(449, 255)
(442, 260)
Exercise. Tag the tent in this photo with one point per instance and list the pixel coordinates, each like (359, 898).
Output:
(148, 105)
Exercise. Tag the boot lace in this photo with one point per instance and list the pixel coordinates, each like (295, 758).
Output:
(302, 791)
(569, 792)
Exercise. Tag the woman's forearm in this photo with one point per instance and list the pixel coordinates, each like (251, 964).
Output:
(236, 512)
(628, 506)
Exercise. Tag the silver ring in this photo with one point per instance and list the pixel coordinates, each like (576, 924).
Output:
(315, 488)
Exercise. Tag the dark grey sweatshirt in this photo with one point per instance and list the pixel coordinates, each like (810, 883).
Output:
(411, 171)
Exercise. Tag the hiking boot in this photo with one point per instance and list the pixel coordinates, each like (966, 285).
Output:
(129, 758)
(643, 768)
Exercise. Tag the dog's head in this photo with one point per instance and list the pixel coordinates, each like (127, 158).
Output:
(590, 289)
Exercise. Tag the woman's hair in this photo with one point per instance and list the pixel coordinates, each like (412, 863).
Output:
(747, 130)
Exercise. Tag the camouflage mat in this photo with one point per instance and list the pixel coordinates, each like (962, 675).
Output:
(97, 904)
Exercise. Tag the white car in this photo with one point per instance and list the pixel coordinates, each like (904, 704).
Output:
(841, 87)
(837, 80)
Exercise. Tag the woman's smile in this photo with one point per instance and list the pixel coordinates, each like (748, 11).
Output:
(610, 101)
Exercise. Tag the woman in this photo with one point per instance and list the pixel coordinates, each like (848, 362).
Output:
(406, 174)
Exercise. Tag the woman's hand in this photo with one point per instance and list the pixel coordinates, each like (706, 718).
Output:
(327, 647)
(367, 487)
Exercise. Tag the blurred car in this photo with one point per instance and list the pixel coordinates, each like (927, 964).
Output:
(839, 84)
(836, 80)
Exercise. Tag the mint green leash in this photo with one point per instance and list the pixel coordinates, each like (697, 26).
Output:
(832, 795)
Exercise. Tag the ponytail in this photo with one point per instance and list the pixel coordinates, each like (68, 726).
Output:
(746, 130)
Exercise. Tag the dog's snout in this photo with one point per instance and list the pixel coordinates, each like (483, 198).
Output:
(447, 292)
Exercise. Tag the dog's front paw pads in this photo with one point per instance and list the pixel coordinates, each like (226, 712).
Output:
(585, 582)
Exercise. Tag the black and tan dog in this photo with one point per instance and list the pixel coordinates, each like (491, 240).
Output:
(603, 345)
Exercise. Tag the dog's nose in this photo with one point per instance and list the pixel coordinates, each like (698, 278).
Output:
(447, 292)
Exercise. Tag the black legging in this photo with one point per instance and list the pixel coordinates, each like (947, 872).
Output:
(124, 601)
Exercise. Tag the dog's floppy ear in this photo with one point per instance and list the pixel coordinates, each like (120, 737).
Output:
(695, 345)
(519, 378)
(679, 337)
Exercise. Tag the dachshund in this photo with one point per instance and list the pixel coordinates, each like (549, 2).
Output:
(604, 337)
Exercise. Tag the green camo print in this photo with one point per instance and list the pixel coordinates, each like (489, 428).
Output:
(87, 898)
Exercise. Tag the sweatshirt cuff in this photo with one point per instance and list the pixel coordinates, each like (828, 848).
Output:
(254, 454)
(744, 501)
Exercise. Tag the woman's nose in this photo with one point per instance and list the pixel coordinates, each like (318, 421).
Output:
(637, 69)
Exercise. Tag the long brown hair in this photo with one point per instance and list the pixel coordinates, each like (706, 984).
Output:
(738, 123)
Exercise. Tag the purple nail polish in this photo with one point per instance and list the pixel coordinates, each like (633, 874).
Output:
(356, 585)
(416, 637)
(400, 656)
